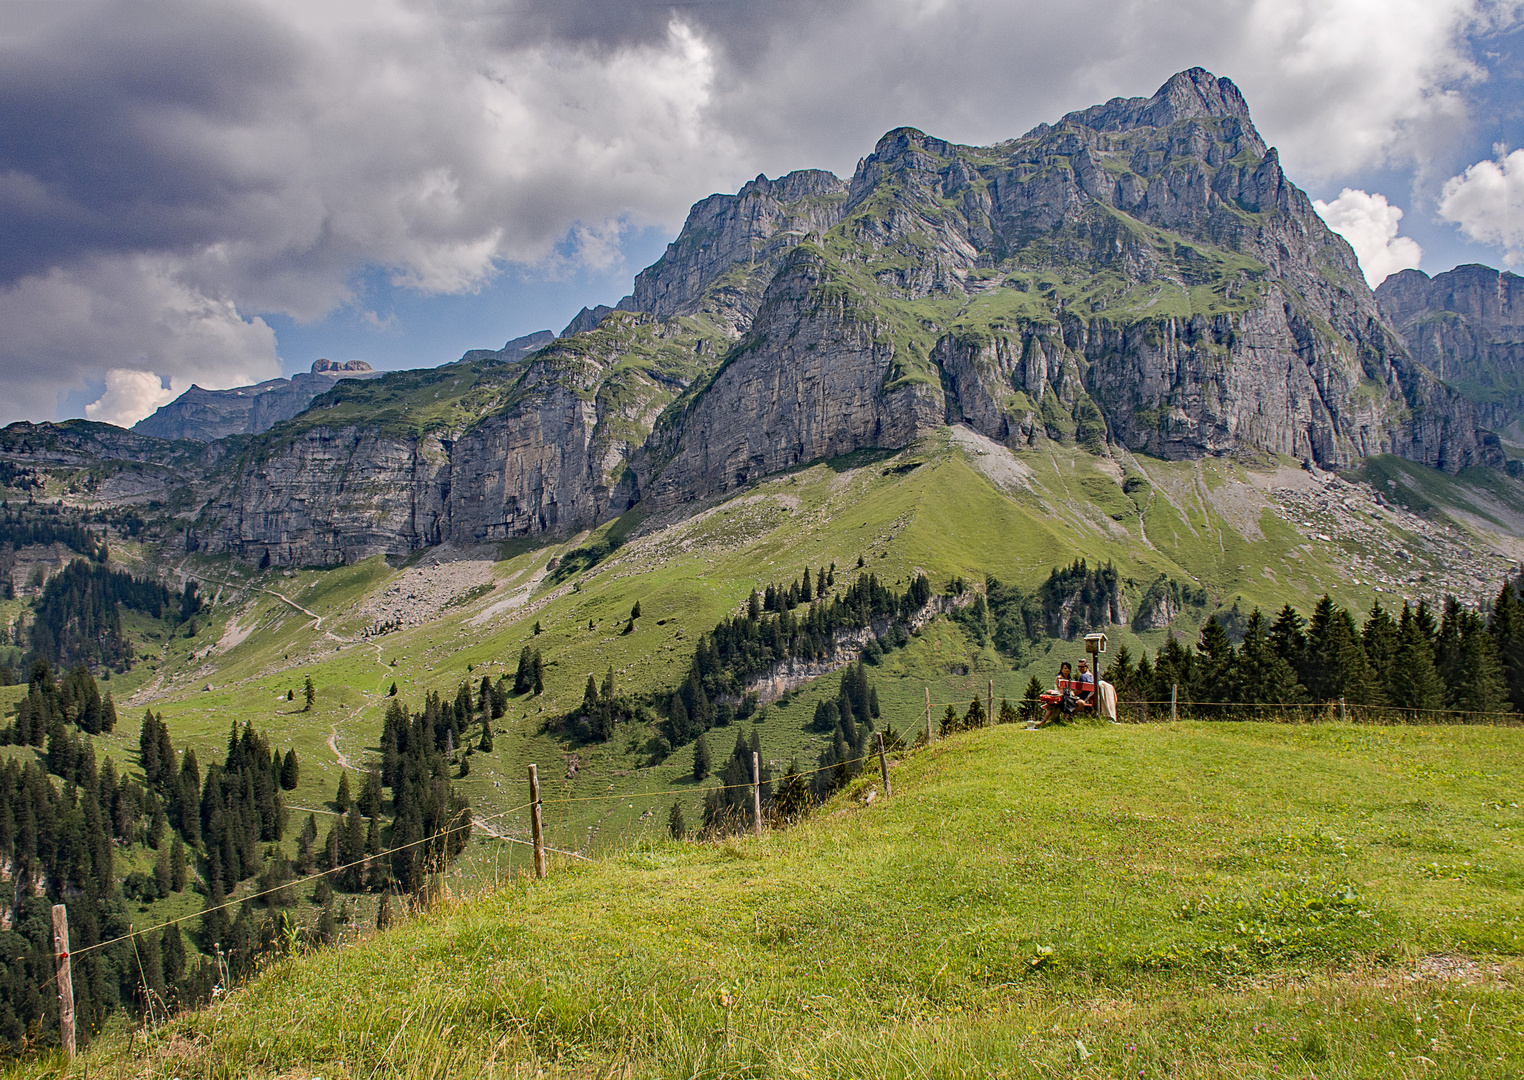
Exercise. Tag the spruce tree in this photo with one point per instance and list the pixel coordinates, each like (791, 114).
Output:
(370, 795)
(309, 692)
(343, 798)
(975, 717)
(1006, 713)
(1379, 636)
(172, 949)
(163, 874)
(1479, 684)
(1264, 675)
(523, 679)
(384, 911)
(1507, 629)
(1030, 703)
(290, 771)
(677, 826)
(1414, 681)
(330, 858)
(1447, 648)
(793, 794)
(701, 760)
(1289, 639)
(1216, 673)
(950, 721)
(179, 871)
(214, 916)
(539, 674)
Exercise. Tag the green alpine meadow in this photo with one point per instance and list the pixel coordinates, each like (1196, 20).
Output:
(664, 697)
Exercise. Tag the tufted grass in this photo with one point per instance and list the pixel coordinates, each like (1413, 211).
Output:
(1192, 900)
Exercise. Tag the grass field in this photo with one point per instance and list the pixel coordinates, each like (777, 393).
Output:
(949, 506)
(1188, 900)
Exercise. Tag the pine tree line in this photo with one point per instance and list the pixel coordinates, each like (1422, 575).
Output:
(76, 700)
(78, 617)
(48, 525)
(431, 821)
(849, 719)
(1468, 661)
(748, 644)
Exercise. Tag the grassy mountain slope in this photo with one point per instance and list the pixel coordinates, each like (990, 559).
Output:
(1196, 900)
(954, 505)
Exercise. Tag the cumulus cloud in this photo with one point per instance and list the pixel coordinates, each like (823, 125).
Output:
(130, 396)
(1487, 202)
(1370, 225)
(127, 322)
(256, 156)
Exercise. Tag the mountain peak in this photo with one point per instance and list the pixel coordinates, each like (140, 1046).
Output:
(1187, 95)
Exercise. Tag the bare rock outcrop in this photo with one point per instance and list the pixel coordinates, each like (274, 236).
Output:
(1467, 327)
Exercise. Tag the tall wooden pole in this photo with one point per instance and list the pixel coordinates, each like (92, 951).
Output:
(756, 793)
(883, 763)
(1174, 693)
(990, 716)
(65, 978)
(536, 822)
(928, 714)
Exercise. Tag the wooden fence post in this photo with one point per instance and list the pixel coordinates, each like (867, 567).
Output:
(536, 822)
(1343, 713)
(990, 718)
(756, 793)
(883, 763)
(1174, 693)
(928, 716)
(65, 978)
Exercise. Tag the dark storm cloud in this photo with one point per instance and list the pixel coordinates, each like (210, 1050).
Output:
(113, 128)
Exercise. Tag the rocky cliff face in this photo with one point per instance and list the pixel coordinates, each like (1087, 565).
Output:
(812, 380)
(731, 245)
(1141, 274)
(475, 452)
(208, 415)
(1467, 327)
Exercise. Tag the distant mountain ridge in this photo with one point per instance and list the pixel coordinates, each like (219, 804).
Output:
(1467, 327)
(1140, 274)
(209, 415)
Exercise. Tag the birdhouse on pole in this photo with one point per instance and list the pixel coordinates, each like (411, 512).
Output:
(1095, 644)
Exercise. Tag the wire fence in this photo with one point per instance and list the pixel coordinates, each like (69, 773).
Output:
(1142, 711)
(927, 727)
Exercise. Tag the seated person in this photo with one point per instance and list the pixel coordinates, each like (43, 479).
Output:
(1060, 701)
(1085, 689)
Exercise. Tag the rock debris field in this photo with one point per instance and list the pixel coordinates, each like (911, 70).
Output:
(1389, 548)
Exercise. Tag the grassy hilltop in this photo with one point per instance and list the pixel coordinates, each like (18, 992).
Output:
(1189, 900)
(952, 506)
(1237, 533)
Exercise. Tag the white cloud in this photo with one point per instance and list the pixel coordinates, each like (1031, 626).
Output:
(1370, 225)
(1487, 202)
(259, 155)
(124, 323)
(130, 396)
